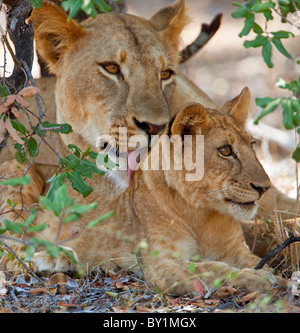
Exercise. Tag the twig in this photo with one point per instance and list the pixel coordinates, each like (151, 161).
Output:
(23, 264)
(279, 248)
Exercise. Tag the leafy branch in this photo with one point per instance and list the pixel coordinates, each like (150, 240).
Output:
(249, 10)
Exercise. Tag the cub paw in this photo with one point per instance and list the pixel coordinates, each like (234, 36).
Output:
(258, 280)
(42, 263)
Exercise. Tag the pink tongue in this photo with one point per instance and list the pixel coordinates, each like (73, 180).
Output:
(131, 164)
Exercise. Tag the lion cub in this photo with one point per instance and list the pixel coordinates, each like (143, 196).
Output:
(176, 222)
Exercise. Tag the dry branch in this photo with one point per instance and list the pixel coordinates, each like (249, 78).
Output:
(279, 248)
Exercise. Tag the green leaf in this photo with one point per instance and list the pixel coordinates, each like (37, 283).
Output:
(266, 53)
(80, 209)
(240, 12)
(65, 128)
(296, 154)
(20, 157)
(18, 181)
(260, 7)
(36, 3)
(296, 108)
(78, 184)
(52, 249)
(257, 29)
(270, 105)
(75, 150)
(3, 90)
(86, 152)
(37, 228)
(72, 7)
(89, 8)
(288, 114)
(14, 227)
(263, 101)
(31, 217)
(282, 34)
(49, 205)
(102, 6)
(258, 41)
(280, 47)
(91, 166)
(62, 198)
(56, 181)
(100, 219)
(248, 24)
(93, 155)
(29, 252)
(32, 146)
(19, 127)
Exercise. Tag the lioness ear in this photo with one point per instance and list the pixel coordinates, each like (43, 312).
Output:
(239, 107)
(54, 35)
(169, 22)
(190, 120)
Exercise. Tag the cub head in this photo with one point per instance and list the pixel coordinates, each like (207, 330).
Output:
(113, 71)
(227, 175)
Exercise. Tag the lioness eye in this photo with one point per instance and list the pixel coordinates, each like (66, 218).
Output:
(111, 68)
(165, 74)
(226, 151)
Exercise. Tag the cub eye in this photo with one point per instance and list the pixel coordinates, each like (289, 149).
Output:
(111, 68)
(226, 151)
(165, 74)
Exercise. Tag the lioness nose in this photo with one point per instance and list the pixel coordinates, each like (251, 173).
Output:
(260, 189)
(149, 128)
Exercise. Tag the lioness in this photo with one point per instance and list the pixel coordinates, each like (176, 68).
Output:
(118, 70)
(164, 221)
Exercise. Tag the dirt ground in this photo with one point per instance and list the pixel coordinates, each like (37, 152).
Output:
(221, 69)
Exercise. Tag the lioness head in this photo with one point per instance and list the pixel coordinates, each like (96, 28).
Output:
(114, 71)
(232, 179)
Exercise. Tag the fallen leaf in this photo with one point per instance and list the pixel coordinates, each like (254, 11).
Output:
(174, 302)
(225, 292)
(40, 290)
(58, 278)
(119, 285)
(112, 294)
(248, 297)
(113, 276)
(198, 287)
(213, 302)
(66, 305)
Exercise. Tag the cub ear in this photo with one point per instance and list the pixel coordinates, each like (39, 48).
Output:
(53, 33)
(239, 107)
(169, 22)
(191, 120)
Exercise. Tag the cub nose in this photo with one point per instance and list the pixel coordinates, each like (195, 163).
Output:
(260, 189)
(150, 129)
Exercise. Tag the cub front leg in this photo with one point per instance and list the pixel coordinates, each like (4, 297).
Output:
(177, 277)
